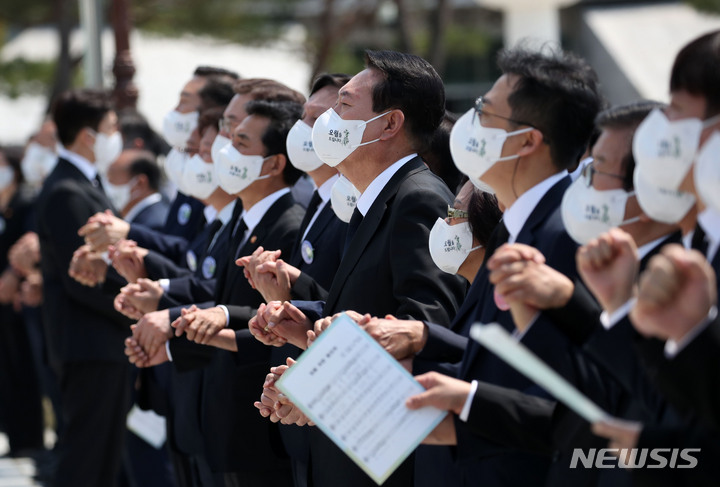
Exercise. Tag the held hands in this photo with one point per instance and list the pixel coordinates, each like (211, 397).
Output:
(139, 298)
(270, 275)
(9, 287)
(24, 255)
(275, 405)
(87, 267)
(675, 293)
(128, 260)
(259, 328)
(609, 265)
(322, 324)
(150, 334)
(200, 325)
(252, 261)
(283, 320)
(31, 293)
(103, 230)
(137, 356)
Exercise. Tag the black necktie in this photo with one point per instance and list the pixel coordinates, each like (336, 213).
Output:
(310, 212)
(212, 233)
(499, 236)
(239, 236)
(355, 222)
(699, 242)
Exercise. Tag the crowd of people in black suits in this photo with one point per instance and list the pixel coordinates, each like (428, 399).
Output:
(175, 278)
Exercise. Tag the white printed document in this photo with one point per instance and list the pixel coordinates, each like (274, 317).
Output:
(497, 340)
(355, 392)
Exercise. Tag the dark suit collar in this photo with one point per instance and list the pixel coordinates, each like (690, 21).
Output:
(85, 167)
(548, 204)
(675, 237)
(369, 225)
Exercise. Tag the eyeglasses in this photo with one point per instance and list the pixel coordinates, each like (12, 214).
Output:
(226, 125)
(455, 213)
(479, 109)
(589, 172)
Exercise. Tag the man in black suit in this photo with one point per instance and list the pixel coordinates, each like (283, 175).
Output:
(85, 333)
(386, 268)
(270, 218)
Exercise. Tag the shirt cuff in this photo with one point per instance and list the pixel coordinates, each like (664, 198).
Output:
(165, 285)
(465, 413)
(227, 314)
(609, 320)
(167, 350)
(672, 347)
(105, 256)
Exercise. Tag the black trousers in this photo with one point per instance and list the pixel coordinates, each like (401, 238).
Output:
(95, 398)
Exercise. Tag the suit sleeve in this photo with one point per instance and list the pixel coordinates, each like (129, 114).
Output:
(158, 266)
(307, 289)
(66, 212)
(443, 345)
(170, 246)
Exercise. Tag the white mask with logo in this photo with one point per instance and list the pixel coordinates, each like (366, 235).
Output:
(334, 138)
(119, 194)
(177, 127)
(587, 213)
(218, 144)
(107, 149)
(199, 178)
(475, 148)
(450, 245)
(664, 150)
(661, 204)
(174, 167)
(707, 172)
(37, 163)
(7, 176)
(236, 171)
(343, 198)
(300, 148)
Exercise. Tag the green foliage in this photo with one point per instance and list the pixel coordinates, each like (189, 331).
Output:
(706, 5)
(19, 77)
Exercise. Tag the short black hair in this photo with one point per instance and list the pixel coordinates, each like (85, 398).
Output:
(208, 118)
(282, 116)
(267, 89)
(337, 80)
(133, 125)
(144, 164)
(411, 85)
(483, 215)
(217, 92)
(77, 109)
(205, 71)
(557, 93)
(13, 155)
(626, 117)
(696, 70)
(438, 157)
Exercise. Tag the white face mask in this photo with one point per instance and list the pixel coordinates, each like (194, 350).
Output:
(475, 148)
(175, 166)
(177, 127)
(707, 172)
(343, 198)
(7, 176)
(661, 204)
(664, 150)
(450, 245)
(37, 163)
(300, 148)
(218, 144)
(235, 171)
(334, 138)
(119, 194)
(107, 149)
(199, 178)
(588, 213)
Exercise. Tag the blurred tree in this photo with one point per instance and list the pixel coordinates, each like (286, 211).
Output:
(705, 5)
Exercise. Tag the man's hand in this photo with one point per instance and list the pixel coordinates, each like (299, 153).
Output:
(152, 331)
(128, 260)
(200, 325)
(323, 323)
(259, 328)
(441, 392)
(24, 255)
(443, 434)
(400, 338)
(675, 293)
(143, 296)
(275, 405)
(609, 266)
(289, 323)
(9, 286)
(622, 434)
(31, 292)
(103, 230)
(139, 358)
(87, 267)
(123, 306)
(252, 261)
(275, 279)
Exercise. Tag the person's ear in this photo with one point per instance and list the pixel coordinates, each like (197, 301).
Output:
(274, 165)
(394, 123)
(531, 142)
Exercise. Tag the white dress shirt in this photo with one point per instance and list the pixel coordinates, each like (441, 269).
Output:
(141, 205)
(371, 193)
(86, 167)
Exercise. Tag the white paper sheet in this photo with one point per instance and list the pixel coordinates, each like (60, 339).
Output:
(147, 425)
(497, 340)
(355, 392)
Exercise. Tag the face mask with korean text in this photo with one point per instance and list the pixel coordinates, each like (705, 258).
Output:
(107, 149)
(236, 171)
(343, 198)
(177, 127)
(199, 178)
(661, 204)
(119, 194)
(218, 144)
(175, 166)
(707, 172)
(450, 245)
(300, 148)
(37, 163)
(334, 139)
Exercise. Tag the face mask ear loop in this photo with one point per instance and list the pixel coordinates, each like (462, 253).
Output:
(512, 181)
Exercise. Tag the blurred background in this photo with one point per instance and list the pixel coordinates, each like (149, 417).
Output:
(146, 49)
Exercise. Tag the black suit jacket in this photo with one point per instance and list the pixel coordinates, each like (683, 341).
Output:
(387, 269)
(232, 381)
(81, 321)
(153, 216)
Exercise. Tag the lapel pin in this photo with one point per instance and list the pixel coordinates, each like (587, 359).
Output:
(253, 239)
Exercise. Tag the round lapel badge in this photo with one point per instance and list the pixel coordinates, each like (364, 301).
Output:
(184, 213)
(191, 259)
(208, 267)
(307, 251)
